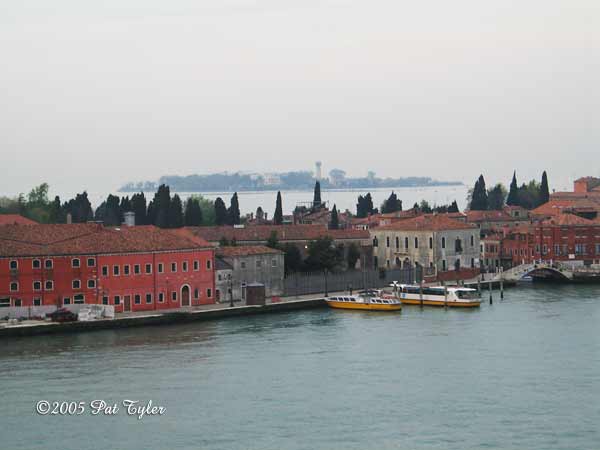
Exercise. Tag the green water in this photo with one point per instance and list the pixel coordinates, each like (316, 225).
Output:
(523, 373)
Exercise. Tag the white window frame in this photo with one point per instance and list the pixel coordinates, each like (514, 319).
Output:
(51, 288)
(16, 263)
(39, 288)
(37, 301)
(14, 283)
(196, 265)
(33, 264)
(93, 262)
(148, 268)
(78, 266)
(91, 283)
(73, 284)
(48, 266)
(76, 298)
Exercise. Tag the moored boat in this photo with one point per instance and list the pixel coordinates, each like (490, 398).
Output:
(454, 296)
(365, 301)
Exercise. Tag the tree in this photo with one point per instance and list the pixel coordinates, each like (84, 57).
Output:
(151, 214)
(161, 206)
(175, 212)
(425, 207)
(109, 211)
(56, 212)
(220, 212)
(273, 242)
(453, 208)
(138, 206)
(544, 189)
(278, 216)
(353, 255)
(193, 213)
(391, 204)
(496, 197)
(513, 193)
(38, 196)
(479, 200)
(234, 210)
(323, 254)
(317, 196)
(292, 258)
(335, 221)
(364, 207)
(80, 208)
(260, 214)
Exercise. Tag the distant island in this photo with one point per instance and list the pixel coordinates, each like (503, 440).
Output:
(301, 180)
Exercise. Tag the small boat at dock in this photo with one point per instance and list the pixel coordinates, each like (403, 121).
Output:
(367, 300)
(454, 296)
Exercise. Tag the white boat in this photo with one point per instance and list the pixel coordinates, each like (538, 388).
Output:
(454, 296)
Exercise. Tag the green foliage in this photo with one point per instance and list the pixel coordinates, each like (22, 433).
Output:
(138, 206)
(161, 206)
(278, 216)
(425, 207)
(335, 221)
(513, 193)
(234, 211)
(364, 207)
(317, 196)
(323, 254)
(221, 217)
(80, 208)
(479, 200)
(496, 197)
(109, 211)
(273, 242)
(292, 258)
(193, 213)
(391, 204)
(353, 255)
(544, 189)
(175, 212)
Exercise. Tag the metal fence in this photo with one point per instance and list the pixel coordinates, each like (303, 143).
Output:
(297, 284)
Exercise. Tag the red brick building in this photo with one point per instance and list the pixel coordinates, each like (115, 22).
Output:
(133, 268)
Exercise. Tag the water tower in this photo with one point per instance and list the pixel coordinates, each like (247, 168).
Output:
(318, 170)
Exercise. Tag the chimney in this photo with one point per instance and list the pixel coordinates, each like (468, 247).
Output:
(129, 218)
(69, 218)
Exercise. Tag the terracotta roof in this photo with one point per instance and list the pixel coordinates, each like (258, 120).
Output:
(262, 233)
(247, 250)
(492, 237)
(15, 219)
(558, 206)
(428, 222)
(566, 219)
(79, 239)
(489, 216)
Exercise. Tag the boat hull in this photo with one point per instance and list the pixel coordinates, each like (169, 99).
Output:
(453, 304)
(364, 306)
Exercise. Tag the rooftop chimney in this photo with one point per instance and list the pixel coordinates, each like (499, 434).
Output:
(129, 218)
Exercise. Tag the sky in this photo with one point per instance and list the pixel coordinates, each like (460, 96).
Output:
(95, 94)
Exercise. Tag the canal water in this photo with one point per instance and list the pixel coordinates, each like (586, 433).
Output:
(523, 373)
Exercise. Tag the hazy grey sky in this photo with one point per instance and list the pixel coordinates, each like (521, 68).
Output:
(93, 94)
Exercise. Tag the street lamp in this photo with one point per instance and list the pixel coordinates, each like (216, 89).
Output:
(230, 292)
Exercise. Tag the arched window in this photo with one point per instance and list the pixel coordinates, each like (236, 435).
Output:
(397, 242)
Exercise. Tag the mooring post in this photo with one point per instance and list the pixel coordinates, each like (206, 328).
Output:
(490, 286)
(501, 283)
(479, 285)
(421, 292)
(445, 294)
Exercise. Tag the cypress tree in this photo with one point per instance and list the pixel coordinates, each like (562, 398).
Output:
(317, 195)
(335, 221)
(162, 201)
(220, 212)
(479, 200)
(151, 213)
(138, 206)
(513, 193)
(453, 208)
(392, 204)
(278, 216)
(234, 211)
(175, 212)
(544, 189)
(193, 213)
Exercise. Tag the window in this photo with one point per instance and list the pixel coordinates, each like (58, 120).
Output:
(91, 284)
(49, 285)
(48, 264)
(472, 263)
(219, 277)
(137, 299)
(161, 267)
(397, 242)
(208, 264)
(17, 302)
(273, 262)
(66, 300)
(196, 293)
(443, 264)
(79, 299)
(472, 241)
(406, 242)
(258, 263)
(375, 242)
(196, 265)
(91, 262)
(580, 249)
(104, 271)
(36, 264)
(161, 297)
(37, 285)
(37, 301)
(443, 242)
(105, 300)
(76, 284)
(126, 269)
(209, 292)
(174, 296)
(117, 299)
(76, 263)
(430, 243)
(243, 264)
(14, 264)
(148, 298)
(173, 267)
(387, 242)
(416, 242)
(597, 249)
(184, 266)
(557, 250)
(116, 271)
(14, 286)
(148, 268)
(4, 302)
(458, 245)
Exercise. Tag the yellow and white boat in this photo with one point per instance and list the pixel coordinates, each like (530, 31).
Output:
(453, 296)
(364, 302)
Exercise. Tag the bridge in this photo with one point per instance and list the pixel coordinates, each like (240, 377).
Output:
(539, 270)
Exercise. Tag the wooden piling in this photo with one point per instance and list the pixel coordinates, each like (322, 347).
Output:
(490, 286)
(421, 292)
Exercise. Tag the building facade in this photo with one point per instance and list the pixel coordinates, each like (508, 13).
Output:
(133, 268)
(432, 241)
